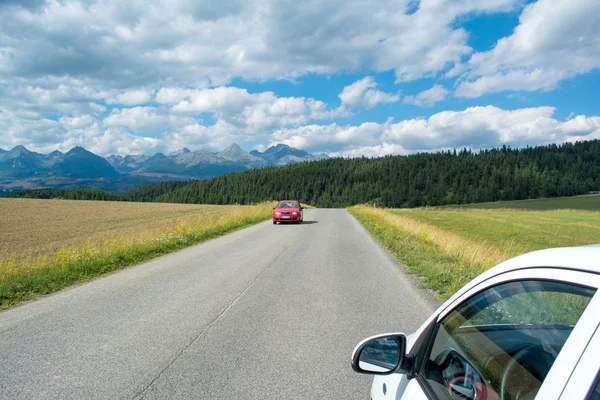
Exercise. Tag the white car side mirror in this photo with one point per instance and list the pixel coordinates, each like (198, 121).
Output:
(379, 355)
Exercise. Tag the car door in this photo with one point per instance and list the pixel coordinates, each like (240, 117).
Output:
(482, 343)
(584, 382)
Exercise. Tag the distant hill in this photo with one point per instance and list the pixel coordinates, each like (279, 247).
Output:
(79, 168)
(395, 181)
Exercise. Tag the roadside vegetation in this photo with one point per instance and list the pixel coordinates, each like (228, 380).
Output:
(46, 245)
(448, 247)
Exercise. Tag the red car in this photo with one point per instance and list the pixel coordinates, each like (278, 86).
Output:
(288, 211)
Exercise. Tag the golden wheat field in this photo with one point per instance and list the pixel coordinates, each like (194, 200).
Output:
(36, 233)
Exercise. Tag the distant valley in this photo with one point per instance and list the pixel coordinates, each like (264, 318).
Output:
(79, 168)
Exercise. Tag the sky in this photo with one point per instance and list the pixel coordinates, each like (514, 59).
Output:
(347, 78)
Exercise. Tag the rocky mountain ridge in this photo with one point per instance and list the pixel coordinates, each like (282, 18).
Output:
(24, 169)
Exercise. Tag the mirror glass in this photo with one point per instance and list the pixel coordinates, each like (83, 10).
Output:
(380, 355)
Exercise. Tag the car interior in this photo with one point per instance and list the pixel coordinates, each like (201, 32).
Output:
(494, 347)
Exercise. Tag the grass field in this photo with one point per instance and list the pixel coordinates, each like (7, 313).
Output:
(46, 245)
(588, 202)
(448, 247)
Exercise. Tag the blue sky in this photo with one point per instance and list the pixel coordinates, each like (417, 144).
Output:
(346, 78)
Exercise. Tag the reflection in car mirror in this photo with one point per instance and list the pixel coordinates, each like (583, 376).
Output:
(379, 355)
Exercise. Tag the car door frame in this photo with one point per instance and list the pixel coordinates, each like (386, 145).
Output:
(567, 360)
(586, 374)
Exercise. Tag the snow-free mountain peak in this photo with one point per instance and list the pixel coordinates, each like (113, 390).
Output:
(180, 151)
(18, 151)
(283, 154)
(236, 154)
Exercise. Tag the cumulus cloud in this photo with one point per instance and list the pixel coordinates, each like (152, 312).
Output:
(555, 40)
(475, 128)
(157, 75)
(205, 118)
(185, 42)
(363, 93)
(45, 135)
(132, 97)
(145, 119)
(428, 97)
(328, 138)
(255, 112)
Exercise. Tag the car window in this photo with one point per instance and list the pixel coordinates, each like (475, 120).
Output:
(502, 342)
(595, 393)
(287, 204)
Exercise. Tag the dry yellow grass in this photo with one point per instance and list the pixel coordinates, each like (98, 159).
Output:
(447, 247)
(43, 233)
(471, 252)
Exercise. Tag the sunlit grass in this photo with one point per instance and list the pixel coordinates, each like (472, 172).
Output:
(589, 202)
(512, 232)
(449, 247)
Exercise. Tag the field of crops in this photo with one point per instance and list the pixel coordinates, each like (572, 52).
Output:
(512, 231)
(448, 247)
(48, 244)
(33, 227)
(588, 202)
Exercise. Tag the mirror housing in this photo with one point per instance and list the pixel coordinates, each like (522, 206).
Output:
(380, 355)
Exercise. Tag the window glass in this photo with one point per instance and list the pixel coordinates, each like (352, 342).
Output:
(501, 343)
(288, 204)
(595, 393)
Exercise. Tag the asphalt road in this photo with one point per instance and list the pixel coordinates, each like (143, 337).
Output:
(269, 312)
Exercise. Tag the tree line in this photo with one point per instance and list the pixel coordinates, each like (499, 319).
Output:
(425, 179)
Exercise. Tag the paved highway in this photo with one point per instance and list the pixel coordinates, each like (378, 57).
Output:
(269, 312)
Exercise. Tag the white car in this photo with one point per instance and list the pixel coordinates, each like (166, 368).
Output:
(525, 329)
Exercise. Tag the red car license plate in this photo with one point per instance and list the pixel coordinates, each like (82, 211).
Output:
(285, 217)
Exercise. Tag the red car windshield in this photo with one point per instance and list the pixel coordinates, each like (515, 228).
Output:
(288, 204)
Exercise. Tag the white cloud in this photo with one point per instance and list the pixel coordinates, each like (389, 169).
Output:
(181, 42)
(145, 119)
(47, 135)
(234, 113)
(162, 65)
(255, 112)
(555, 40)
(475, 128)
(117, 141)
(428, 97)
(132, 97)
(328, 138)
(363, 93)
(214, 137)
(172, 95)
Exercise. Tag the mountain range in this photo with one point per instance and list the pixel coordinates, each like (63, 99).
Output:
(79, 168)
